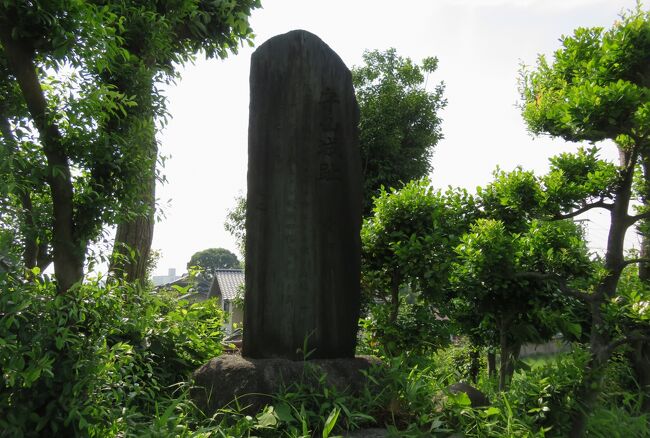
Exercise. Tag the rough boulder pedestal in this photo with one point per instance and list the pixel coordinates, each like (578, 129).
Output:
(224, 378)
(476, 397)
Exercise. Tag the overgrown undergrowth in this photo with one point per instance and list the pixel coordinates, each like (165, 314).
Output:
(114, 361)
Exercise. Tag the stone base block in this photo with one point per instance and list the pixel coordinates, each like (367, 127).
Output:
(251, 381)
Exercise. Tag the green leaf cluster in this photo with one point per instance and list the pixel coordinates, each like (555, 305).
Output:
(598, 85)
(412, 233)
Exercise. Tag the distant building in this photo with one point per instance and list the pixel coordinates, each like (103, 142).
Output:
(159, 280)
(227, 286)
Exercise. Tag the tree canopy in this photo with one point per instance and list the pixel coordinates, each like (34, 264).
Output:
(503, 288)
(410, 238)
(399, 123)
(71, 77)
(496, 263)
(211, 259)
(597, 88)
(157, 40)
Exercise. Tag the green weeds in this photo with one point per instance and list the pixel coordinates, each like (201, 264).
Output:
(115, 361)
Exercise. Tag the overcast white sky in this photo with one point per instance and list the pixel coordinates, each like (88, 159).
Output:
(479, 43)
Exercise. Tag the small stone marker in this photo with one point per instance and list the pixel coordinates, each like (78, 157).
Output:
(304, 203)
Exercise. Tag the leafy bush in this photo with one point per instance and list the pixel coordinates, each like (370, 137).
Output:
(547, 393)
(97, 360)
(455, 363)
(416, 332)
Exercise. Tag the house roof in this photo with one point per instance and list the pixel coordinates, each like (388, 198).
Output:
(227, 283)
(201, 285)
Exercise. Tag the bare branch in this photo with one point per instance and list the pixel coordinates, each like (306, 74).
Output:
(561, 283)
(633, 261)
(633, 219)
(586, 207)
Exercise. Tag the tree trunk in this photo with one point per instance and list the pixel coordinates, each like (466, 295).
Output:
(587, 398)
(505, 356)
(491, 364)
(394, 297)
(133, 237)
(640, 360)
(639, 355)
(588, 392)
(475, 364)
(512, 360)
(643, 226)
(132, 247)
(599, 339)
(69, 252)
(644, 268)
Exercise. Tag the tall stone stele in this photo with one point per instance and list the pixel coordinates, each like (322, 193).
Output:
(304, 203)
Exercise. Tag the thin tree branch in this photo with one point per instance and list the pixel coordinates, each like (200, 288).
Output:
(30, 250)
(600, 204)
(633, 219)
(633, 261)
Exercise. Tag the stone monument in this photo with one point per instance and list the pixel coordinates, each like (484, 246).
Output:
(304, 203)
(303, 221)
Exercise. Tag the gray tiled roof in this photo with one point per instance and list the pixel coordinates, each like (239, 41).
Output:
(227, 283)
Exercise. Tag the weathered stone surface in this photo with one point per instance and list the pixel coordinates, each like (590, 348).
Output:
(476, 397)
(304, 203)
(218, 382)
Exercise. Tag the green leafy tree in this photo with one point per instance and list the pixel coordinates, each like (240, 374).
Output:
(514, 198)
(212, 259)
(506, 284)
(597, 88)
(71, 76)
(156, 39)
(399, 123)
(48, 129)
(486, 261)
(407, 246)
